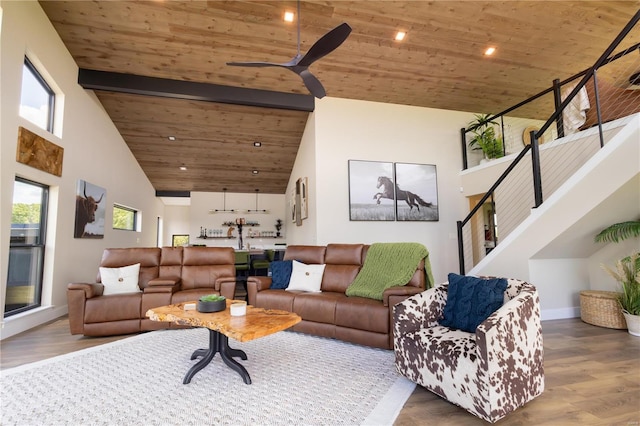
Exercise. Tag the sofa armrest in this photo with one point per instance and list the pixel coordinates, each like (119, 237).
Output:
(221, 280)
(394, 295)
(259, 282)
(226, 286)
(255, 285)
(77, 295)
(164, 281)
(89, 290)
(420, 310)
(510, 348)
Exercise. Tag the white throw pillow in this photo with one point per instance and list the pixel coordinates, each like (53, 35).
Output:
(306, 277)
(120, 280)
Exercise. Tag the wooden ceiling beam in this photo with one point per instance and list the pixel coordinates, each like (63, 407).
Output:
(178, 89)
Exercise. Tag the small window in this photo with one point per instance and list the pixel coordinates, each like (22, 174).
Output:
(37, 98)
(124, 218)
(179, 240)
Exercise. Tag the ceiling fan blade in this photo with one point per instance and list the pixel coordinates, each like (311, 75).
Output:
(326, 44)
(313, 84)
(254, 64)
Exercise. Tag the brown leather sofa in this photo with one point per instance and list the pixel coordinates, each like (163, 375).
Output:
(167, 275)
(332, 313)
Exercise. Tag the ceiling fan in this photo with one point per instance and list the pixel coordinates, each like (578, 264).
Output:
(299, 64)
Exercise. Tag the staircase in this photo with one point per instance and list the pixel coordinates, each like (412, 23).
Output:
(553, 246)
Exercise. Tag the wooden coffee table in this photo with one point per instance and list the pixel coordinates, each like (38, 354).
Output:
(258, 322)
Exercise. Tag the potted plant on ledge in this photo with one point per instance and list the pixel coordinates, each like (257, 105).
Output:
(278, 226)
(485, 137)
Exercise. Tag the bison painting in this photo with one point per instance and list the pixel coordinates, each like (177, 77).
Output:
(87, 212)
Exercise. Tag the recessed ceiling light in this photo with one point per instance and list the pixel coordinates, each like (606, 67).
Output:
(171, 138)
(288, 16)
(257, 144)
(490, 51)
(183, 168)
(255, 172)
(400, 35)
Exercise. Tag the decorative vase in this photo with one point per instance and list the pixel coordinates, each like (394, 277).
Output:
(215, 306)
(633, 323)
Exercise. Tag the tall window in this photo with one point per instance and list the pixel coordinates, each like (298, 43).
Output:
(37, 98)
(124, 218)
(26, 248)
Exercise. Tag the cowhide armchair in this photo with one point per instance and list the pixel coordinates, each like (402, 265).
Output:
(490, 372)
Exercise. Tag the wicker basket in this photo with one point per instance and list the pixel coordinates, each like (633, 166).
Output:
(601, 308)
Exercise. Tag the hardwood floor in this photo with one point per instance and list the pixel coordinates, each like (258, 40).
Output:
(592, 376)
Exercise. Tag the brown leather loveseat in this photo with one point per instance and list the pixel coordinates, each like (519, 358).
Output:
(331, 313)
(167, 275)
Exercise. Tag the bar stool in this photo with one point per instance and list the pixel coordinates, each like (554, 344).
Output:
(260, 263)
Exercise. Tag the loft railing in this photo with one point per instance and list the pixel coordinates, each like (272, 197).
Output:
(553, 149)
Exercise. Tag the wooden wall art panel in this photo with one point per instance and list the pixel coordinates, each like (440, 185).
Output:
(37, 152)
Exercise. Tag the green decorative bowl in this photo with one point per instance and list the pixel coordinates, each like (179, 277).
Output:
(216, 306)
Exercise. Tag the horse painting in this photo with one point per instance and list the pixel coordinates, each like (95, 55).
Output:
(412, 200)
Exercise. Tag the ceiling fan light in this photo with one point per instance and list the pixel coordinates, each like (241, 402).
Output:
(400, 35)
(288, 16)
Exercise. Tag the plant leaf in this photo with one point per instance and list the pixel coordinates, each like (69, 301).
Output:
(618, 232)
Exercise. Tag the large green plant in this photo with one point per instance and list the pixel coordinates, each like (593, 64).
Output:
(485, 137)
(619, 231)
(627, 271)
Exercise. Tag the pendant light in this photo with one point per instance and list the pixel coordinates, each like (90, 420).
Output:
(224, 204)
(256, 210)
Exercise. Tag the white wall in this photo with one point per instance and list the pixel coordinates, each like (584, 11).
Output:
(203, 202)
(93, 151)
(305, 166)
(357, 130)
(176, 222)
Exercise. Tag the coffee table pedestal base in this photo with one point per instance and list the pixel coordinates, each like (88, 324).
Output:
(218, 343)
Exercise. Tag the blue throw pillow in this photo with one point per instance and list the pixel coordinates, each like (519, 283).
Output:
(471, 300)
(281, 273)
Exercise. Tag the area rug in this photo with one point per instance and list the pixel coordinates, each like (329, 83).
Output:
(297, 379)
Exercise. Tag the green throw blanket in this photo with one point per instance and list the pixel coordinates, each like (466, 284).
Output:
(389, 265)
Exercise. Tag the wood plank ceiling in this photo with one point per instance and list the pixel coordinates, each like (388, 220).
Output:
(440, 64)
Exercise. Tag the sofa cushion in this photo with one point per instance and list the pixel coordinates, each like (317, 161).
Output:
(305, 254)
(116, 307)
(317, 307)
(362, 313)
(275, 299)
(120, 280)
(306, 277)
(471, 300)
(147, 257)
(281, 273)
(343, 264)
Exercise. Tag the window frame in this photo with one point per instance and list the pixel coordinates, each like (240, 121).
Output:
(47, 88)
(134, 225)
(40, 245)
(173, 239)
